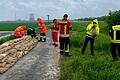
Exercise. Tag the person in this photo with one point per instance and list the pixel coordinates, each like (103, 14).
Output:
(43, 30)
(64, 29)
(55, 29)
(115, 42)
(92, 32)
(20, 31)
(31, 32)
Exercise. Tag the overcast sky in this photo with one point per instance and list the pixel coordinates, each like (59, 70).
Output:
(55, 8)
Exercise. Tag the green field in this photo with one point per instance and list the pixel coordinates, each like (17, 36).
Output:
(87, 67)
(11, 26)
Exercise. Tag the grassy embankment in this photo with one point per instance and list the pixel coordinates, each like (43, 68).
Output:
(87, 67)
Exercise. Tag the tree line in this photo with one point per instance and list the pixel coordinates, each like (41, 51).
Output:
(113, 18)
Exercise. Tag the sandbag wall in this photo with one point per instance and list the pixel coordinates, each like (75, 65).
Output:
(12, 51)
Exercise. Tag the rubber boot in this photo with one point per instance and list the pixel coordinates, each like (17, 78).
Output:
(61, 52)
(67, 54)
(44, 40)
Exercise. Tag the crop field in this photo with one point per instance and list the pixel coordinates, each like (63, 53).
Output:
(87, 67)
(11, 26)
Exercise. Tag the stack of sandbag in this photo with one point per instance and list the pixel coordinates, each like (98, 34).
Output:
(12, 51)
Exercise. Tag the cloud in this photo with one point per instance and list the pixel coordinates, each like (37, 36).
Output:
(55, 8)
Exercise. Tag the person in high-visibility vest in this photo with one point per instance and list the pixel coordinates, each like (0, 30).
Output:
(92, 32)
(64, 29)
(20, 31)
(55, 30)
(115, 42)
(43, 30)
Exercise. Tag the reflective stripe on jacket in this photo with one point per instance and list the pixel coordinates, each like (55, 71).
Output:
(64, 27)
(116, 34)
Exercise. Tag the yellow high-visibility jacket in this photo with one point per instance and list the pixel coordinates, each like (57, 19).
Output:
(90, 29)
(115, 34)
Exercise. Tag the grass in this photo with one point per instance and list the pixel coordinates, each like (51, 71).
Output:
(4, 39)
(87, 67)
(11, 26)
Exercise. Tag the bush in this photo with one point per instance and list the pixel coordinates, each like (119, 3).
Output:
(113, 18)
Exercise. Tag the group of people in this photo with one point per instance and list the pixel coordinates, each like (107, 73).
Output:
(20, 31)
(63, 27)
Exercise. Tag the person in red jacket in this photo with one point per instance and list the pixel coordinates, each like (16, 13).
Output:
(43, 30)
(55, 29)
(19, 32)
(64, 27)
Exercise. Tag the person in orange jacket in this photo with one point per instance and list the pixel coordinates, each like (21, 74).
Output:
(43, 30)
(19, 32)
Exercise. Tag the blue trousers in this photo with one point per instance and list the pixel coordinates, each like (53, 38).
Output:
(87, 39)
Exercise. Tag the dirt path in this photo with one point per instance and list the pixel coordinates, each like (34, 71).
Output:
(40, 64)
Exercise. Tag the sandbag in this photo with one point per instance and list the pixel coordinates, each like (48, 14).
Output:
(14, 55)
(2, 56)
(2, 46)
(19, 54)
(19, 47)
(2, 64)
(9, 65)
(2, 70)
(5, 49)
(25, 52)
(10, 60)
(12, 51)
(3, 60)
